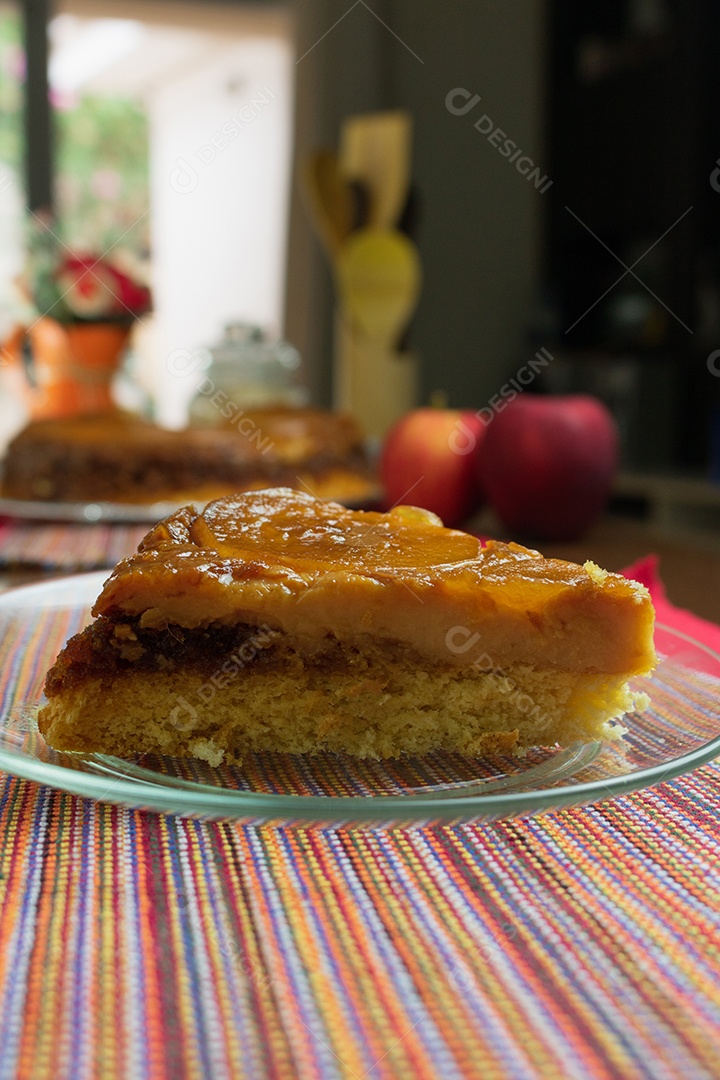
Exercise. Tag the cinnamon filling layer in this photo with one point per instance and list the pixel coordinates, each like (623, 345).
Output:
(107, 648)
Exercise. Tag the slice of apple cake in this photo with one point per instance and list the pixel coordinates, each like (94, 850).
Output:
(274, 620)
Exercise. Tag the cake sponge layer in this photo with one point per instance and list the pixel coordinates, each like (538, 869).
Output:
(370, 706)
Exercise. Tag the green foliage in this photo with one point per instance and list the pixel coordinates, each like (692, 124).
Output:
(101, 148)
(11, 66)
(102, 179)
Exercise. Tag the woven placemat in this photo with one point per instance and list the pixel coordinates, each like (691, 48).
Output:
(578, 944)
(71, 547)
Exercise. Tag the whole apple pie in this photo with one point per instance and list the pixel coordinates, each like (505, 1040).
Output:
(274, 620)
(119, 457)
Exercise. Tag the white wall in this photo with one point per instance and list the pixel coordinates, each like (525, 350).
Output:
(220, 171)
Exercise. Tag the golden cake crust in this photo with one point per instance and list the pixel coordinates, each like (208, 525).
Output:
(312, 569)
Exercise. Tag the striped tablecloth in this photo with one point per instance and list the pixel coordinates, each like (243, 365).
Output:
(68, 547)
(578, 944)
(581, 943)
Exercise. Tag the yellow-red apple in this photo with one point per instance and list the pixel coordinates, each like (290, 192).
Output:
(428, 460)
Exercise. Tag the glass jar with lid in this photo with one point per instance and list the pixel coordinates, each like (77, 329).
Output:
(251, 371)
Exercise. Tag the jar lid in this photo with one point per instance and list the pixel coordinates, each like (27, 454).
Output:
(251, 353)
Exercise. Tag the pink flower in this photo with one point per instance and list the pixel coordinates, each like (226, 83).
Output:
(94, 289)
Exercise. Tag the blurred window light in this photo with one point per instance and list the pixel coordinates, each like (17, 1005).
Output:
(83, 49)
(174, 139)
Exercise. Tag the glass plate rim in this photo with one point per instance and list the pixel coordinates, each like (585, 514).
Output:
(116, 513)
(89, 513)
(223, 802)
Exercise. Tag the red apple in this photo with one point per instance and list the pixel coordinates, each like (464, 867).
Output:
(547, 464)
(428, 460)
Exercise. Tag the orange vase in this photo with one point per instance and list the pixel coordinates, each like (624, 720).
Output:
(71, 366)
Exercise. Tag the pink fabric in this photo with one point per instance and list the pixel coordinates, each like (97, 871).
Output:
(646, 571)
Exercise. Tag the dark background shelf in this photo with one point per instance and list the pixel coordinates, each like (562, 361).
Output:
(633, 136)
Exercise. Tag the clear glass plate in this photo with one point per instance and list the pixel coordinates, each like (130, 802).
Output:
(677, 732)
(119, 513)
(112, 513)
